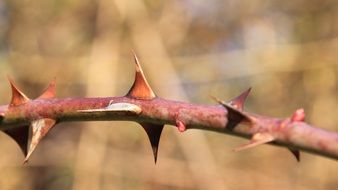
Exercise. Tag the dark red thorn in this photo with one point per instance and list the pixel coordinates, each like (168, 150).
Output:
(20, 135)
(50, 91)
(18, 97)
(296, 153)
(154, 134)
(39, 129)
(180, 126)
(140, 89)
(235, 116)
(298, 115)
(239, 101)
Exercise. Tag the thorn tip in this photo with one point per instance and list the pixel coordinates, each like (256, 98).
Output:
(39, 130)
(238, 102)
(140, 88)
(154, 134)
(18, 97)
(257, 139)
(49, 92)
(295, 153)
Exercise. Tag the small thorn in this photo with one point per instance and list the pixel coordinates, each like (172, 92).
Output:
(18, 97)
(217, 100)
(235, 116)
(295, 153)
(140, 89)
(50, 91)
(39, 129)
(257, 139)
(154, 134)
(238, 102)
(180, 126)
(298, 115)
(20, 135)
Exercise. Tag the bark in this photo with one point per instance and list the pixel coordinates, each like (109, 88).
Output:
(141, 105)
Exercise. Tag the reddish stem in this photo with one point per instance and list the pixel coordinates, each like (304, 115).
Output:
(287, 132)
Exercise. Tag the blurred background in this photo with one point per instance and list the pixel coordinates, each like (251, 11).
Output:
(190, 49)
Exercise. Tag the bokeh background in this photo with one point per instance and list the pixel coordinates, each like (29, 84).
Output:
(190, 49)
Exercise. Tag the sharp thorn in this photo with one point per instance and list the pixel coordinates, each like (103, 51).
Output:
(154, 134)
(39, 129)
(238, 102)
(20, 135)
(140, 88)
(295, 153)
(235, 116)
(50, 91)
(18, 97)
(257, 139)
(217, 100)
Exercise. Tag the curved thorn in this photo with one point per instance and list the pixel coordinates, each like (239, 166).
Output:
(18, 97)
(50, 91)
(154, 134)
(295, 153)
(20, 135)
(235, 116)
(140, 89)
(257, 139)
(39, 129)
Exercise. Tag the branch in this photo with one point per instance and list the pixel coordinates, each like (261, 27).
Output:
(27, 121)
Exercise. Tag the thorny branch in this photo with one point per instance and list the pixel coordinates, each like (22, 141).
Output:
(27, 121)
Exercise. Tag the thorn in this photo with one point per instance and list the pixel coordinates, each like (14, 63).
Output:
(20, 135)
(235, 116)
(154, 134)
(18, 97)
(39, 129)
(217, 100)
(49, 92)
(257, 139)
(238, 102)
(295, 153)
(140, 89)
(180, 126)
(298, 115)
